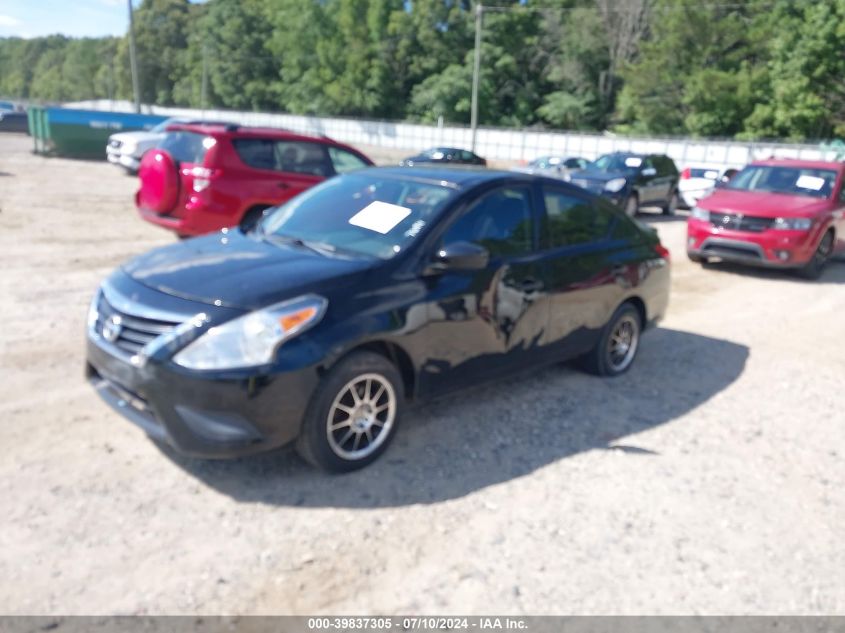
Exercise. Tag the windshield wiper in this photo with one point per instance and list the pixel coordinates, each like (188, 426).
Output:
(318, 247)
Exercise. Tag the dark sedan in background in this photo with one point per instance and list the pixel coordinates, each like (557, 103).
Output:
(372, 289)
(632, 180)
(443, 156)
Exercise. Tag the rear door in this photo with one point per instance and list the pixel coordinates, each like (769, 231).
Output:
(279, 169)
(648, 183)
(585, 270)
(489, 322)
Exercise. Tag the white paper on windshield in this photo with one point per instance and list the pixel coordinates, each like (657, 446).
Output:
(381, 217)
(810, 182)
(711, 175)
(633, 161)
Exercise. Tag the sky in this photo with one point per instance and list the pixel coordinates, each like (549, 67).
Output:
(77, 18)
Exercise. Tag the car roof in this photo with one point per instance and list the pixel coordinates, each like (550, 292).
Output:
(460, 177)
(795, 162)
(232, 130)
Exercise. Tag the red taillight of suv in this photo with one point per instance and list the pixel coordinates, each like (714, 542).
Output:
(662, 251)
(201, 177)
(686, 174)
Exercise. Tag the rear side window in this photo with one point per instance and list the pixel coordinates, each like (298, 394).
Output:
(344, 161)
(288, 156)
(187, 147)
(573, 220)
(499, 221)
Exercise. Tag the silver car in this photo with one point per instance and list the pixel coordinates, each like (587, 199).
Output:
(554, 166)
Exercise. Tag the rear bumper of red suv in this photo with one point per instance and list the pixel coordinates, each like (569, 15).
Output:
(769, 248)
(195, 218)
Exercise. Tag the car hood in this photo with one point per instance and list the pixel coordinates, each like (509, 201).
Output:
(137, 137)
(763, 204)
(236, 270)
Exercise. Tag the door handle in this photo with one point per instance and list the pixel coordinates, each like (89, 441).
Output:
(283, 185)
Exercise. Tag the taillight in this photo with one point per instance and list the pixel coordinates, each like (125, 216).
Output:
(202, 177)
(661, 251)
(686, 174)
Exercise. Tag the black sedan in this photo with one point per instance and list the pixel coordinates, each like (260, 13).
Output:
(372, 289)
(444, 156)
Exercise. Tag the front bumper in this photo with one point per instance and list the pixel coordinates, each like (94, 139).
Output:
(770, 248)
(202, 414)
(127, 161)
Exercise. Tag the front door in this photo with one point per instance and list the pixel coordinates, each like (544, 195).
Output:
(488, 322)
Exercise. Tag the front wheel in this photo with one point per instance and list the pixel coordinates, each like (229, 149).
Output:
(618, 344)
(353, 413)
(813, 269)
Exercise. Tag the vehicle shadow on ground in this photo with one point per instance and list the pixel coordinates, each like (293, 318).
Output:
(457, 445)
(834, 272)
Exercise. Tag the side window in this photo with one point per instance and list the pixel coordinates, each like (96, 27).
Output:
(842, 190)
(573, 220)
(574, 163)
(255, 152)
(344, 161)
(500, 221)
(467, 156)
(301, 158)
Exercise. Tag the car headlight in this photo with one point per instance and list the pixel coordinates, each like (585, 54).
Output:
(252, 339)
(615, 185)
(128, 147)
(792, 224)
(700, 214)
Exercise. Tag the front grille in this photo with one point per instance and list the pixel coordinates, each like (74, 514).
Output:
(589, 185)
(739, 222)
(127, 332)
(731, 250)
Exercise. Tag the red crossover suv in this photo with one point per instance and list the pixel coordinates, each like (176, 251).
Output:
(777, 213)
(206, 177)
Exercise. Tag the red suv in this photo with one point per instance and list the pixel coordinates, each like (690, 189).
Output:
(205, 177)
(777, 213)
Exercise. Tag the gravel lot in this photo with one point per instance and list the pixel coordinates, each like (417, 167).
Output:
(708, 480)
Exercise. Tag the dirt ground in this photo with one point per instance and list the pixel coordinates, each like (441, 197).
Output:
(707, 480)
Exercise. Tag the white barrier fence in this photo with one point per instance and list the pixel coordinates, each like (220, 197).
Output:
(494, 143)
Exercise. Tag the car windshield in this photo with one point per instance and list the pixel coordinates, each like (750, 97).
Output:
(162, 127)
(616, 162)
(369, 215)
(795, 181)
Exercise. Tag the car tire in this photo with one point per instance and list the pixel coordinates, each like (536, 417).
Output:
(671, 205)
(251, 219)
(632, 205)
(608, 358)
(356, 403)
(814, 268)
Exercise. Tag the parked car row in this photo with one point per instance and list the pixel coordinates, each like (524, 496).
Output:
(326, 293)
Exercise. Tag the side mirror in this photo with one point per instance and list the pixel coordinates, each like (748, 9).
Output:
(458, 256)
(649, 171)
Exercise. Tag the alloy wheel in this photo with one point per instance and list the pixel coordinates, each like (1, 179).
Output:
(622, 342)
(361, 416)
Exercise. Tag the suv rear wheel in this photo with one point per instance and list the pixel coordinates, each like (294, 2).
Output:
(671, 204)
(252, 218)
(632, 205)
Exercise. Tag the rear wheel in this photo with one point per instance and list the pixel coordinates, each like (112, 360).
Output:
(696, 259)
(632, 205)
(617, 347)
(813, 269)
(252, 218)
(671, 205)
(353, 414)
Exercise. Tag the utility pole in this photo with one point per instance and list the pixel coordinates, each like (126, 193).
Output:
(204, 88)
(476, 70)
(133, 62)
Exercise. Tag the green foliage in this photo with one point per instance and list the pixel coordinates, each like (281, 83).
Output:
(759, 68)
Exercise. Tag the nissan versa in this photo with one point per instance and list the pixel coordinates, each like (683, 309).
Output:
(373, 289)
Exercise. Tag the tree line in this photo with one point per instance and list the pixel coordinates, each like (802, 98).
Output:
(747, 69)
